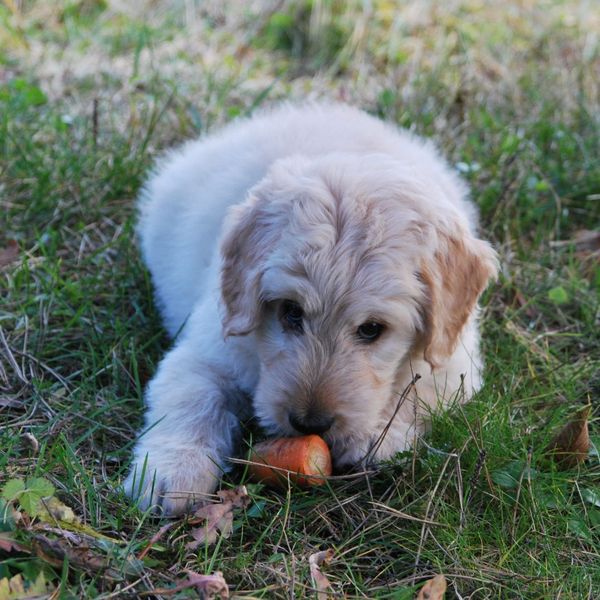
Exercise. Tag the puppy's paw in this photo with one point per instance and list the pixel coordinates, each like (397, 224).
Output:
(171, 481)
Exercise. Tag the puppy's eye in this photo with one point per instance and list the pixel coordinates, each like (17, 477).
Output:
(368, 332)
(291, 316)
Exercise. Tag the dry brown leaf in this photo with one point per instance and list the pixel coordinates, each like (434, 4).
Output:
(8, 544)
(9, 253)
(217, 518)
(434, 589)
(82, 551)
(320, 581)
(209, 586)
(54, 552)
(32, 441)
(571, 444)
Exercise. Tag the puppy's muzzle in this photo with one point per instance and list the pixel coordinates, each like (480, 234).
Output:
(312, 423)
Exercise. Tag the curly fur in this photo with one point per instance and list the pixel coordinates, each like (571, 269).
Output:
(351, 218)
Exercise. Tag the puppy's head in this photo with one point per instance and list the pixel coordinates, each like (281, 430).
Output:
(342, 269)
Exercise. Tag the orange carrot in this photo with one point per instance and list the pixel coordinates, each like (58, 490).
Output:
(307, 455)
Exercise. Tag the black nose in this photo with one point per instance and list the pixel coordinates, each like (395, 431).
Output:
(312, 423)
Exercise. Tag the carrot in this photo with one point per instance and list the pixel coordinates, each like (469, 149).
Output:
(306, 455)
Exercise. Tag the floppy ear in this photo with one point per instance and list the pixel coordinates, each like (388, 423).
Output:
(250, 234)
(455, 277)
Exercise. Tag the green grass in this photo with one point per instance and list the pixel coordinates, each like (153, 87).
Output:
(510, 95)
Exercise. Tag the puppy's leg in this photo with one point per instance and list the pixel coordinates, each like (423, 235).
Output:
(190, 431)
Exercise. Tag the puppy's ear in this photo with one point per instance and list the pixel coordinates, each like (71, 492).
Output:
(455, 277)
(250, 233)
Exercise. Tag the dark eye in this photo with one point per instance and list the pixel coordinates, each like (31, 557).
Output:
(368, 332)
(292, 315)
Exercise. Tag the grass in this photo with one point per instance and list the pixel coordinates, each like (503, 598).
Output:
(89, 94)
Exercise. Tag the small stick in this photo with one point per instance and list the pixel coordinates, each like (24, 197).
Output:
(377, 444)
(155, 538)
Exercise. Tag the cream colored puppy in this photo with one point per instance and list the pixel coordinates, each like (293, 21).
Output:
(309, 261)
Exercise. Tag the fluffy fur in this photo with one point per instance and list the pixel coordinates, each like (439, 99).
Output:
(353, 220)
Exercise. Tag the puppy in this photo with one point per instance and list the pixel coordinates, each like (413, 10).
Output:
(308, 261)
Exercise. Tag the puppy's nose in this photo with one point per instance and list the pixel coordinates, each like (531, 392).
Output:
(312, 423)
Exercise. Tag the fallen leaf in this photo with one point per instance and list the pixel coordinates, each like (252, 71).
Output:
(9, 253)
(237, 496)
(320, 581)
(32, 440)
(52, 510)
(8, 544)
(571, 444)
(209, 586)
(89, 552)
(81, 555)
(14, 588)
(434, 589)
(217, 518)
(55, 551)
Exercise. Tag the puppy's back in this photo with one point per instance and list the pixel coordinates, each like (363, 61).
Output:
(184, 202)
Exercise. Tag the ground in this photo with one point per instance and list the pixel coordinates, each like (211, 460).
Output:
(92, 90)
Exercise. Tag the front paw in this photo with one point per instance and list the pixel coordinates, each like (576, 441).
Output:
(171, 481)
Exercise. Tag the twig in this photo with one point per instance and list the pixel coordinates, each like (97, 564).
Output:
(377, 444)
(461, 499)
(474, 480)
(155, 538)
